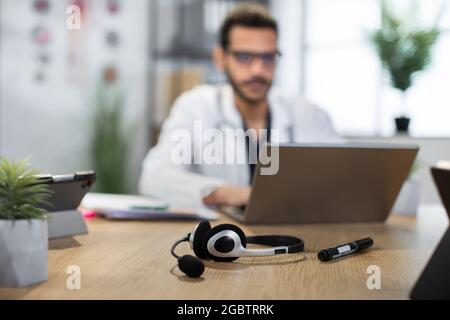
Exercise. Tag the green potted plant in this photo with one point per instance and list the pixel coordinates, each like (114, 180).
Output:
(23, 225)
(404, 48)
(109, 143)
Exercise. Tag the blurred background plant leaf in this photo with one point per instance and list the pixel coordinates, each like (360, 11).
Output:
(109, 144)
(403, 46)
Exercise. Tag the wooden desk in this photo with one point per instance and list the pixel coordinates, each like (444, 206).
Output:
(131, 260)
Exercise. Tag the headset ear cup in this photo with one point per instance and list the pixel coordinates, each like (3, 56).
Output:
(197, 243)
(215, 231)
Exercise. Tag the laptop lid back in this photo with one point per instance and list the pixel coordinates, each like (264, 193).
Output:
(330, 183)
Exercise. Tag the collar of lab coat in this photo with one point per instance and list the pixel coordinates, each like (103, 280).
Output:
(280, 117)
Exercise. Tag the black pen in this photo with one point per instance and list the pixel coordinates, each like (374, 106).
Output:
(345, 249)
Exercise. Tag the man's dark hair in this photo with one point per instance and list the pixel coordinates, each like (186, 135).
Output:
(246, 15)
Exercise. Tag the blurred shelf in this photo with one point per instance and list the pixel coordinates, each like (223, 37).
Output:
(396, 137)
(183, 55)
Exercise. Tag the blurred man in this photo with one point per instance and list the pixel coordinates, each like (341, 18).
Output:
(248, 55)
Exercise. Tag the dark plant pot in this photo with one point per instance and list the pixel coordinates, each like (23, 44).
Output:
(402, 124)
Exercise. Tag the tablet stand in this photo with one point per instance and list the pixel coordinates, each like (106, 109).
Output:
(63, 224)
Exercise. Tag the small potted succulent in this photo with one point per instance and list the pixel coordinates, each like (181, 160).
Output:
(23, 225)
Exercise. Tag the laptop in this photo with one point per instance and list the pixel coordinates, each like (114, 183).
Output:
(328, 183)
(433, 283)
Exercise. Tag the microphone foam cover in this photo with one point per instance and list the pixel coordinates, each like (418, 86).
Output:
(191, 266)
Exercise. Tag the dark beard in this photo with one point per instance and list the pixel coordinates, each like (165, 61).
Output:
(241, 94)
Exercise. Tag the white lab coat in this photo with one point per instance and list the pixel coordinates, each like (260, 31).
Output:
(185, 185)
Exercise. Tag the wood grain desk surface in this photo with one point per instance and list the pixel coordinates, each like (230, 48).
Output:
(132, 260)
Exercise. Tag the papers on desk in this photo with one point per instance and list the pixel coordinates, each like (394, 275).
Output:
(124, 207)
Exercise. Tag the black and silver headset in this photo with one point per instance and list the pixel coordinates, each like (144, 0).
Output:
(226, 243)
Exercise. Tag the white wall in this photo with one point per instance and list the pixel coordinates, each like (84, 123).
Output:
(51, 120)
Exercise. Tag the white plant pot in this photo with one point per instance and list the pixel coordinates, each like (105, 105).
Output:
(23, 252)
(408, 201)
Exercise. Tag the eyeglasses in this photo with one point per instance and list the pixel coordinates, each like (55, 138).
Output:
(247, 58)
